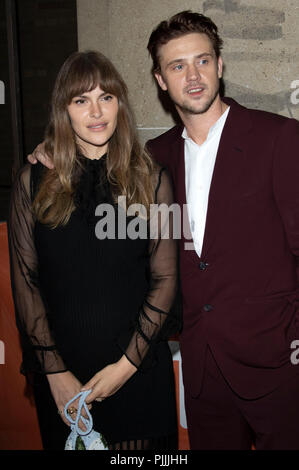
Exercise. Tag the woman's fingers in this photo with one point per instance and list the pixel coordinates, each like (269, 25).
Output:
(92, 385)
(103, 384)
(72, 412)
(62, 416)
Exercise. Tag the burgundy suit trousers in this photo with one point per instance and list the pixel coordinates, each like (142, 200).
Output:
(221, 420)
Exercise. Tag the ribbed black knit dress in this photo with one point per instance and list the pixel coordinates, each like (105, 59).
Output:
(82, 302)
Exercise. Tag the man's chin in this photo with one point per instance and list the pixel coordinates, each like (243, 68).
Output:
(197, 108)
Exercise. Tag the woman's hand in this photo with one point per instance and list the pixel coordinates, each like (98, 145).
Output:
(110, 379)
(65, 386)
(39, 154)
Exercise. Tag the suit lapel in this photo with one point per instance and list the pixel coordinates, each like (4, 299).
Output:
(228, 170)
(177, 156)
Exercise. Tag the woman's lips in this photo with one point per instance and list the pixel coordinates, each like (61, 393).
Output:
(97, 127)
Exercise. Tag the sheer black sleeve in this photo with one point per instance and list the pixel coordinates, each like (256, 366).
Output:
(39, 351)
(155, 320)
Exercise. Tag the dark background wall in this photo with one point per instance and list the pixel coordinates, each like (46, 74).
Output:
(47, 34)
(5, 119)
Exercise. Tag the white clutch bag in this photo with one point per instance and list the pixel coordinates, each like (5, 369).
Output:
(79, 439)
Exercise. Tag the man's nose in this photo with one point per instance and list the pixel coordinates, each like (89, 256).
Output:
(193, 72)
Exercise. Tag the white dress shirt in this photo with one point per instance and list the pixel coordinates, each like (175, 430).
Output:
(199, 167)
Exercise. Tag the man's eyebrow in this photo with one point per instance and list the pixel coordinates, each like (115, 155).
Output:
(199, 56)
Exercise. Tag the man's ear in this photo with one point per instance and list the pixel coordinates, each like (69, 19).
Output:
(161, 81)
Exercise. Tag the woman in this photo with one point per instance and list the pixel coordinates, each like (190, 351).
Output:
(93, 313)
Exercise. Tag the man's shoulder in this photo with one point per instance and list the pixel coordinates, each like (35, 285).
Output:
(264, 120)
(274, 126)
(162, 149)
(260, 116)
(164, 139)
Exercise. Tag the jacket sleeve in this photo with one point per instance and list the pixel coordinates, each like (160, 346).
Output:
(286, 183)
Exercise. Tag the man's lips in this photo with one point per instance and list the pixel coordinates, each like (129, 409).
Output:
(195, 91)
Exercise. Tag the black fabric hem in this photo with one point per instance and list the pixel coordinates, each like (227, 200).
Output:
(161, 442)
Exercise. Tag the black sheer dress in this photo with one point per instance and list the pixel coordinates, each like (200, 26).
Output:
(82, 302)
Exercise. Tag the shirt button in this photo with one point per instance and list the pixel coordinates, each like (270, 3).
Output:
(203, 266)
(207, 308)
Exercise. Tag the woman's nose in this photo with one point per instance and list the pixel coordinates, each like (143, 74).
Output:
(95, 110)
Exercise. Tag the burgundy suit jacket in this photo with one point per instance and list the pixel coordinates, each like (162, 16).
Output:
(241, 297)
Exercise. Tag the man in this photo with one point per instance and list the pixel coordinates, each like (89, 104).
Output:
(238, 171)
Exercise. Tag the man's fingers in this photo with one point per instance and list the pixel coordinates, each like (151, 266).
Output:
(31, 159)
(41, 157)
(44, 160)
(39, 154)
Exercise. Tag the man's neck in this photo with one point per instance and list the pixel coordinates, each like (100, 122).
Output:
(198, 125)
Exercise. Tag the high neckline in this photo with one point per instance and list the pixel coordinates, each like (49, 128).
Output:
(92, 160)
(93, 187)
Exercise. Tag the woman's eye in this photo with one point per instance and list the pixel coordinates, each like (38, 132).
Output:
(108, 98)
(79, 101)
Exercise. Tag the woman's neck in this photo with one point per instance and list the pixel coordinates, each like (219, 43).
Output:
(93, 152)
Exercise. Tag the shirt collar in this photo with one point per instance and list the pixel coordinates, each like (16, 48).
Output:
(217, 127)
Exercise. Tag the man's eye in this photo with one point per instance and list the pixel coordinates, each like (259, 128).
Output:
(80, 101)
(203, 61)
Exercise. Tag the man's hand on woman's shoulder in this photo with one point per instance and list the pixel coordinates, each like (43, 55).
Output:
(40, 155)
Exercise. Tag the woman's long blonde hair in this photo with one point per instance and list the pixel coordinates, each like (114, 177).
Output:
(129, 167)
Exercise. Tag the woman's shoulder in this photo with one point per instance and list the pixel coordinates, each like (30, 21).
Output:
(22, 178)
(24, 173)
(28, 177)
